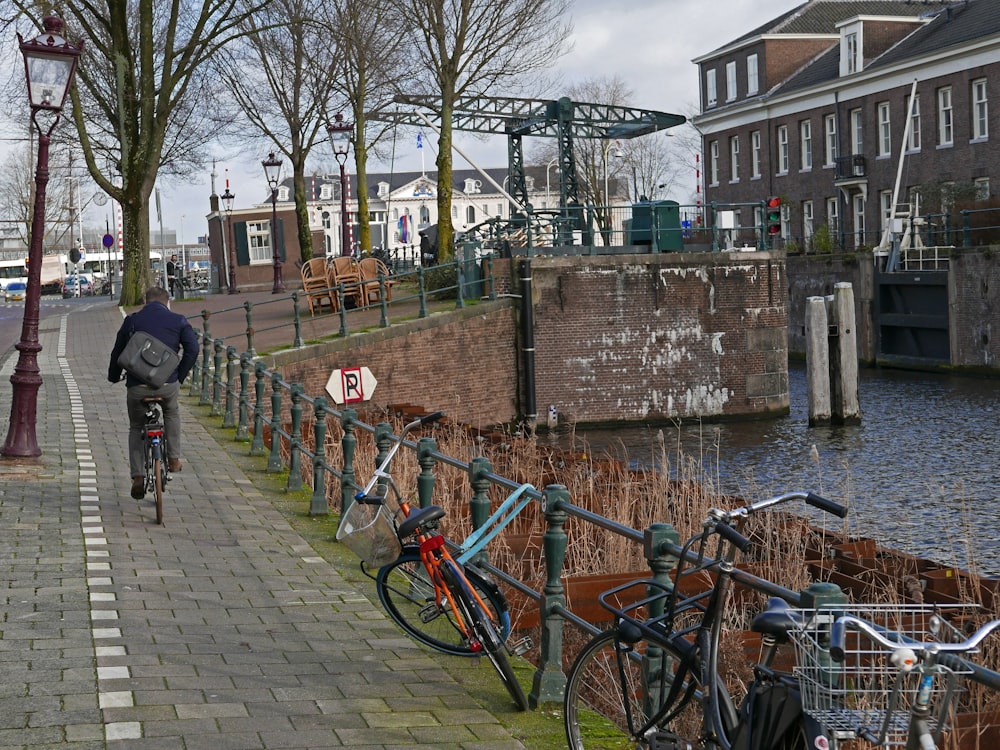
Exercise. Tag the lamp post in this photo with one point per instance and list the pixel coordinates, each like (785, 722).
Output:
(549, 166)
(619, 154)
(272, 171)
(49, 65)
(339, 131)
(227, 204)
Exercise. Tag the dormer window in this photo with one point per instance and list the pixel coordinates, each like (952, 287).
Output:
(851, 46)
(529, 183)
(283, 193)
(383, 189)
(326, 191)
(472, 185)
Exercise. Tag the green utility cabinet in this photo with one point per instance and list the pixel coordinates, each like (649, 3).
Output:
(659, 219)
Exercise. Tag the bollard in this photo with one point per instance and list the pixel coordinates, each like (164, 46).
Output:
(229, 419)
(248, 306)
(297, 343)
(216, 410)
(844, 401)
(426, 447)
(479, 505)
(317, 503)
(274, 458)
(817, 361)
(549, 682)
(349, 443)
(243, 426)
(294, 483)
(206, 348)
(257, 446)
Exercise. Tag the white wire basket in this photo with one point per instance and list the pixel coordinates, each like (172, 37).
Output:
(369, 532)
(866, 692)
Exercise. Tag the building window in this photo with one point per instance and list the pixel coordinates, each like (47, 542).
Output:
(734, 158)
(832, 220)
(884, 131)
(326, 191)
(830, 140)
(806, 143)
(425, 215)
(857, 136)
(755, 153)
(730, 81)
(783, 149)
(946, 134)
(807, 222)
(859, 220)
(711, 95)
(470, 215)
(982, 188)
(980, 111)
(454, 211)
(325, 219)
(885, 200)
(753, 84)
(259, 239)
(851, 53)
(786, 220)
(713, 163)
(913, 140)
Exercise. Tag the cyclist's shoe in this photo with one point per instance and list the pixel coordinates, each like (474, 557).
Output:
(138, 488)
(174, 464)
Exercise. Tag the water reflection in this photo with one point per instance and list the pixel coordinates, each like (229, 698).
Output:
(921, 472)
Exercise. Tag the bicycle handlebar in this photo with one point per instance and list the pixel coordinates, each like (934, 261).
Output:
(810, 498)
(838, 633)
(380, 471)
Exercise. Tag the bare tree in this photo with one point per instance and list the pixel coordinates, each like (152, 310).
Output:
(470, 47)
(281, 78)
(143, 102)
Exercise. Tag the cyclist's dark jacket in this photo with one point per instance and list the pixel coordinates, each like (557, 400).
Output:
(169, 327)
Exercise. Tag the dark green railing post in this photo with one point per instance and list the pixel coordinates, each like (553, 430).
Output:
(492, 277)
(248, 306)
(343, 309)
(229, 418)
(206, 353)
(383, 302)
(422, 291)
(317, 503)
(274, 458)
(966, 228)
(257, 445)
(349, 444)
(549, 681)
(294, 483)
(426, 447)
(298, 321)
(217, 375)
(459, 284)
(243, 426)
(655, 539)
(383, 444)
(479, 505)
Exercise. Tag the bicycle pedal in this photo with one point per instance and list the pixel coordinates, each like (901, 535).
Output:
(661, 740)
(429, 613)
(521, 647)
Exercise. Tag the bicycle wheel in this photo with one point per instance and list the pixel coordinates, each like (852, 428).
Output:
(609, 700)
(408, 595)
(158, 481)
(492, 643)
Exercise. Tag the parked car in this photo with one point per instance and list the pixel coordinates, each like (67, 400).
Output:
(15, 291)
(77, 286)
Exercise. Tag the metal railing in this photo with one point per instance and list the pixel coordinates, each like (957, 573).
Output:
(237, 390)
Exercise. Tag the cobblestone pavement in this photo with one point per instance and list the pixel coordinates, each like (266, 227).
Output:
(221, 629)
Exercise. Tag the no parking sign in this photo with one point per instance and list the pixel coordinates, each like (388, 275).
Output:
(351, 385)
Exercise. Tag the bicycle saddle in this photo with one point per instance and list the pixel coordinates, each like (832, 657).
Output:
(418, 518)
(152, 399)
(776, 619)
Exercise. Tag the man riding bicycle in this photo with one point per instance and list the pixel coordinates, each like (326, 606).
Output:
(174, 331)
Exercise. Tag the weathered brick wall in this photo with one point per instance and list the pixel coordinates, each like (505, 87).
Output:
(658, 337)
(974, 300)
(463, 363)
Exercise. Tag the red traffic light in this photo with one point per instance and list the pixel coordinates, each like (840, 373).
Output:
(773, 216)
(774, 202)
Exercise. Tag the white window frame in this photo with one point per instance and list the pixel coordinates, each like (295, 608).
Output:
(805, 144)
(755, 154)
(711, 90)
(980, 111)
(259, 242)
(734, 158)
(782, 149)
(830, 140)
(807, 222)
(713, 163)
(885, 202)
(851, 48)
(884, 130)
(913, 140)
(858, 207)
(946, 114)
(833, 216)
(753, 75)
(731, 81)
(857, 132)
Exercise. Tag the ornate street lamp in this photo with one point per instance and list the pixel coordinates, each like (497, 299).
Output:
(49, 65)
(340, 131)
(272, 171)
(227, 204)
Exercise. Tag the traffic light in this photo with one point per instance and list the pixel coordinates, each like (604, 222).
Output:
(772, 216)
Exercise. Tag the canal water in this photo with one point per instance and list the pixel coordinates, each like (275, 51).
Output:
(921, 473)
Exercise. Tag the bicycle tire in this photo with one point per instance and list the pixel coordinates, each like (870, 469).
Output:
(405, 590)
(606, 702)
(158, 483)
(492, 643)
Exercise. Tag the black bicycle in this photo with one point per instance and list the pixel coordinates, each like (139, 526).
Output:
(154, 438)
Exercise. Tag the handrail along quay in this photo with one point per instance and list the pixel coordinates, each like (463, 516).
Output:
(242, 384)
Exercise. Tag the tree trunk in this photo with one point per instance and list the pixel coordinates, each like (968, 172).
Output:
(137, 276)
(446, 230)
(302, 215)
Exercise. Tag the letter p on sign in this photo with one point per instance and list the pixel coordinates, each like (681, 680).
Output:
(351, 385)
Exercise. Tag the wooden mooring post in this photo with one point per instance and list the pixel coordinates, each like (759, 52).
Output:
(832, 358)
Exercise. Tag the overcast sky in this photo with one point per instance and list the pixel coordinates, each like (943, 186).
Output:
(649, 44)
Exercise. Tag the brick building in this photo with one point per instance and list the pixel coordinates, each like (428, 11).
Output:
(812, 106)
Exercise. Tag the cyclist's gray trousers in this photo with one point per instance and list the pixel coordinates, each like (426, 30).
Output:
(137, 420)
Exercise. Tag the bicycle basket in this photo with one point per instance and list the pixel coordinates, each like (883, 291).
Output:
(857, 694)
(369, 532)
